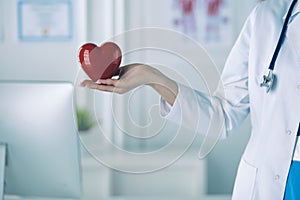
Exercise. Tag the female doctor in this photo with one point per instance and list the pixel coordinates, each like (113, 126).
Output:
(270, 166)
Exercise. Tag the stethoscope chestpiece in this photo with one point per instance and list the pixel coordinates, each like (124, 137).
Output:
(268, 81)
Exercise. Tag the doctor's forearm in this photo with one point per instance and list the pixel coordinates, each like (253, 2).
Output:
(164, 86)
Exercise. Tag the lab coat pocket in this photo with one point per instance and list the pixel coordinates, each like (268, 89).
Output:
(245, 182)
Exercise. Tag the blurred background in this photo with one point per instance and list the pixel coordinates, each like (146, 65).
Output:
(30, 49)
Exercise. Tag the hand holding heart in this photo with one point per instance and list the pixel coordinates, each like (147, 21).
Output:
(100, 62)
(130, 77)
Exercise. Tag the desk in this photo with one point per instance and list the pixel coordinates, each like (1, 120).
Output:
(184, 178)
(101, 189)
(206, 197)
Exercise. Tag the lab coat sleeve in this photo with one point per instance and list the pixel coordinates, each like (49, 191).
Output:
(231, 99)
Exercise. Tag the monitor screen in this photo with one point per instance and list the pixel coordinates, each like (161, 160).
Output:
(38, 129)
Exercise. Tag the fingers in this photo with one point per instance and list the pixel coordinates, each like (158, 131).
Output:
(89, 83)
(107, 81)
(86, 83)
(106, 88)
(103, 85)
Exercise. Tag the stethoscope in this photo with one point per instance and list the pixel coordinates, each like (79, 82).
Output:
(268, 80)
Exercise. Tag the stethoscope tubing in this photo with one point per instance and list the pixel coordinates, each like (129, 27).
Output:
(270, 78)
(282, 35)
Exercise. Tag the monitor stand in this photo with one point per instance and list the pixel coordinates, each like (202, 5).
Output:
(2, 168)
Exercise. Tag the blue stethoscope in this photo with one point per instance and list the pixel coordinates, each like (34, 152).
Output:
(268, 80)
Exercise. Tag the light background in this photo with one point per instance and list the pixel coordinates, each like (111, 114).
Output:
(97, 21)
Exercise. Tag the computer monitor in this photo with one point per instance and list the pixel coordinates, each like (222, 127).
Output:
(39, 140)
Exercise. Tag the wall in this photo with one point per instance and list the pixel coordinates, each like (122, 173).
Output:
(96, 21)
(39, 60)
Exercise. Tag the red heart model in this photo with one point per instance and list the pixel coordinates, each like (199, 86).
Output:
(100, 62)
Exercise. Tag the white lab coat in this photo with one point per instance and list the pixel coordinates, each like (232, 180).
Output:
(275, 116)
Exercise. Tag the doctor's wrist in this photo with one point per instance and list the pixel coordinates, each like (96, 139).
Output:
(162, 84)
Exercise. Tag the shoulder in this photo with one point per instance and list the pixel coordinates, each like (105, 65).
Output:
(271, 9)
(267, 15)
